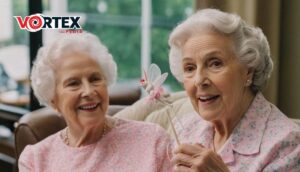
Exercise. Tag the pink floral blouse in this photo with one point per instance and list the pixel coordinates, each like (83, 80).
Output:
(264, 140)
(129, 147)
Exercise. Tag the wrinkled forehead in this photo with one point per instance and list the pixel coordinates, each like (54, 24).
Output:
(76, 60)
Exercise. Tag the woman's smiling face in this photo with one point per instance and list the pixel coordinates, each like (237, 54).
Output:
(81, 91)
(213, 76)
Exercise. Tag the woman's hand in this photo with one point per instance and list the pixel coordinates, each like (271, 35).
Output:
(196, 158)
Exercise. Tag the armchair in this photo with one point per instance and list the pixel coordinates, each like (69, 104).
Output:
(37, 125)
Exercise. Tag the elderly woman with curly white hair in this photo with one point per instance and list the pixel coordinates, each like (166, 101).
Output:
(71, 75)
(224, 64)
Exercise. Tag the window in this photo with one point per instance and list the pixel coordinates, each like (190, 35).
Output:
(14, 55)
(118, 23)
(166, 15)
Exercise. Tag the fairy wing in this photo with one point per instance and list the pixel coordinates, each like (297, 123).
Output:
(159, 80)
(153, 73)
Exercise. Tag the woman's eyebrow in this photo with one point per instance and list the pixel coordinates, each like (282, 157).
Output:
(187, 59)
(216, 52)
(96, 73)
(68, 79)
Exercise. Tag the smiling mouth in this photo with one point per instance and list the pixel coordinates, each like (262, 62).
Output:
(89, 107)
(208, 98)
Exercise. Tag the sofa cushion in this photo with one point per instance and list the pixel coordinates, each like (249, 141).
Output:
(177, 109)
(157, 112)
(142, 108)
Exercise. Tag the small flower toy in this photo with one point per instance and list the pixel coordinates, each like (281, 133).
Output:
(152, 83)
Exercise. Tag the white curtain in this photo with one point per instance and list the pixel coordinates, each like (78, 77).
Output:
(6, 20)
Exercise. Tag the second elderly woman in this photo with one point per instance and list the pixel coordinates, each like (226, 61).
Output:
(71, 75)
(224, 64)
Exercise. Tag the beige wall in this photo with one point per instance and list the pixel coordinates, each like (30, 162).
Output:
(268, 19)
(289, 85)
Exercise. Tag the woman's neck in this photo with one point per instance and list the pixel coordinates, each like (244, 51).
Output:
(87, 135)
(224, 127)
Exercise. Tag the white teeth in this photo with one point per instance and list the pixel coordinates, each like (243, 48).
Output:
(88, 107)
(205, 97)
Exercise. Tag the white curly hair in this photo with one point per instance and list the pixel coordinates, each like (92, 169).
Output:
(251, 45)
(43, 71)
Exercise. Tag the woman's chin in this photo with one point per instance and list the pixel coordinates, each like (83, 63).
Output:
(208, 115)
(91, 117)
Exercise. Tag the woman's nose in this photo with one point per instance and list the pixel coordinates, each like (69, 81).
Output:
(201, 79)
(87, 90)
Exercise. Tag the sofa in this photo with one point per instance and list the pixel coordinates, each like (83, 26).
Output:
(39, 124)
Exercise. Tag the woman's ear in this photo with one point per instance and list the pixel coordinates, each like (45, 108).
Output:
(250, 74)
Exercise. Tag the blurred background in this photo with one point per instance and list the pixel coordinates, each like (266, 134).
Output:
(136, 33)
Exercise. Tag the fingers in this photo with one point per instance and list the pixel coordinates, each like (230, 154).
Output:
(182, 160)
(186, 156)
(179, 168)
(189, 149)
(195, 157)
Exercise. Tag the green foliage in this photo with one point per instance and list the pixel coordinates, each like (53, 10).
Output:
(121, 31)
(172, 9)
(115, 7)
(19, 8)
(124, 41)
(160, 56)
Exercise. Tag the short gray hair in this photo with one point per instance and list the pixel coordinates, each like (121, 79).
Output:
(43, 75)
(251, 45)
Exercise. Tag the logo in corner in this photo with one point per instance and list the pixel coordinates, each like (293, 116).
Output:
(36, 22)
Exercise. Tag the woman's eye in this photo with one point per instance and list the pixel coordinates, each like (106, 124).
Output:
(72, 83)
(188, 68)
(215, 63)
(96, 79)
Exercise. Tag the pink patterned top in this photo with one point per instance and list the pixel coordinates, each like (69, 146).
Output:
(129, 147)
(264, 140)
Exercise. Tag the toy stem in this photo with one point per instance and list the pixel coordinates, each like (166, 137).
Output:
(172, 125)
